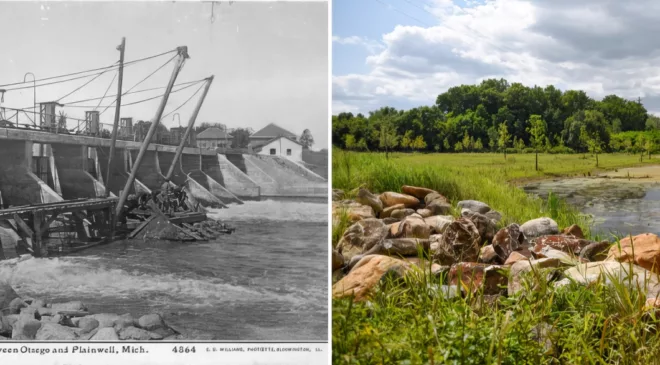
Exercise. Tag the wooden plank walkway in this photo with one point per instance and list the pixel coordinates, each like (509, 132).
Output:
(62, 207)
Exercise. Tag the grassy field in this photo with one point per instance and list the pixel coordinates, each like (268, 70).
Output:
(412, 322)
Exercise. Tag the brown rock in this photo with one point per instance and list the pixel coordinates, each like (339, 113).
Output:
(361, 281)
(514, 257)
(507, 240)
(434, 240)
(424, 213)
(486, 227)
(439, 208)
(361, 237)
(402, 213)
(476, 276)
(435, 197)
(417, 192)
(391, 198)
(337, 260)
(387, 212)
(354, 211)
(487, 255)
(389, 220)
(365, 197)
(574, 231)
(400, 247)
(460, 242)
(438, 223)
(519, 268)
(413, 226)
(337, 195)
(568, 244)
(595, 251)
(646, 249)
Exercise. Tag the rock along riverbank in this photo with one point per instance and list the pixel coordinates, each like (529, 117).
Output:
(394, 233)
(25, 319)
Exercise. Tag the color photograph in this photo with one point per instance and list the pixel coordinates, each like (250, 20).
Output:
(495, 182)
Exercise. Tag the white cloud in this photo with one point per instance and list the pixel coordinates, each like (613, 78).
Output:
(602, 47)
(370, 45)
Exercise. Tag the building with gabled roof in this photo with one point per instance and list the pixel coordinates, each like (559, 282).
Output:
(269, 132)
(281, 146)
(213, 137)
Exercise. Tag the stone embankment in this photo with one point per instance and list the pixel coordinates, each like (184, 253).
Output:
(394, 233)
(25, 319)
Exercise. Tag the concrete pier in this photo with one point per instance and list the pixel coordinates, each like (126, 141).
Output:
(74, 167)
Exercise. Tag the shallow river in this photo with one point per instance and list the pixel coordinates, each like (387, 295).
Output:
(618, 206)
(268, 280)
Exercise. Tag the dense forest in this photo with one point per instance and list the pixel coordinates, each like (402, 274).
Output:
(498, 116)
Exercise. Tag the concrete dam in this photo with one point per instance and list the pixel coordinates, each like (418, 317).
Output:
(38, 167)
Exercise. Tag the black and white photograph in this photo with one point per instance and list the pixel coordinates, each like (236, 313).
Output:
(164, 171)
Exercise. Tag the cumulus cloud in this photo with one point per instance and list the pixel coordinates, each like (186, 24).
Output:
(600, 46)
(370, 45)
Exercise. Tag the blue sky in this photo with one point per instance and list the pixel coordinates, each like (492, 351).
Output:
(403, 53)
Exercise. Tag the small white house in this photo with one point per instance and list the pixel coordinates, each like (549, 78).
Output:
(281, 146)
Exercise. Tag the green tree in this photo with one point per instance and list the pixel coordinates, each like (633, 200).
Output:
(466, 142)
(520, 145)
(349, 141)
(446, 145)
(388, 137)
(649, 146)
(592, 141)
(504, 138)
(652, 123)
(478, 146)
(362, 145)
(419, 143)
(458, 147)
(640, 141)
(407, 140)
(537, 130)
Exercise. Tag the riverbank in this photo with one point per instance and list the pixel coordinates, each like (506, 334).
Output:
(265, 281)
(645, 174)
(419, 309)
(27, 318)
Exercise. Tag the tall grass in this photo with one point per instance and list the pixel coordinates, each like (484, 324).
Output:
(411, 320)
(457, 181)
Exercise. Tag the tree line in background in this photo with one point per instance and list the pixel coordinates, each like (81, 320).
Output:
(510, 118)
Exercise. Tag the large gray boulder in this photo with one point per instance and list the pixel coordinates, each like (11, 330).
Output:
(55, 332)
(105, 334)
(7, 295)
(543, 226)
(474, 205)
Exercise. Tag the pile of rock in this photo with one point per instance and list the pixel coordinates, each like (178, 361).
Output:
(26, 319)
(391, 231)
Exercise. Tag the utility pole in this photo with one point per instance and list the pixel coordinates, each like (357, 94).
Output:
(191, 123)
(121, 48)
(183, 55)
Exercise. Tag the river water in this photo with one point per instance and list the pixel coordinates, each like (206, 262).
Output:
(617, 207)
(266, 281)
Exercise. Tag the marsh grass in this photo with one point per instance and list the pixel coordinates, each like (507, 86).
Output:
(412, 320)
